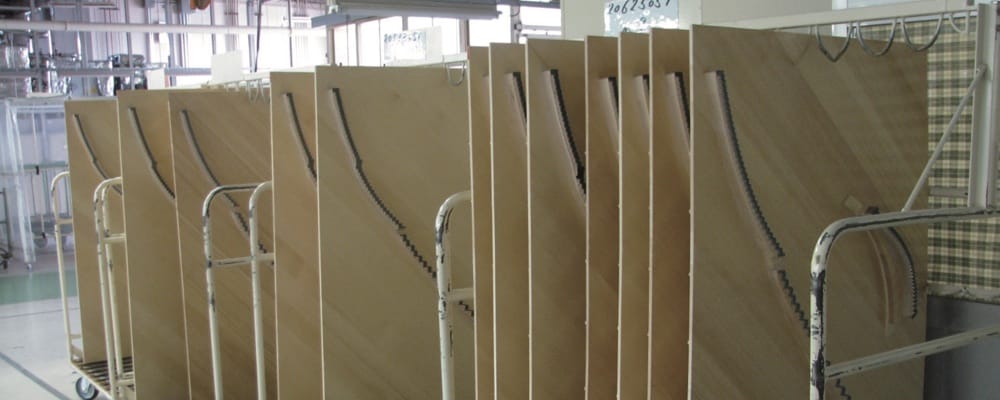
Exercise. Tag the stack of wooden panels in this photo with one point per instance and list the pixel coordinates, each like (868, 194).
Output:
(643, 209)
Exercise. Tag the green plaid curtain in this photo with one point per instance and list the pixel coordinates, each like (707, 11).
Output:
(964, 256)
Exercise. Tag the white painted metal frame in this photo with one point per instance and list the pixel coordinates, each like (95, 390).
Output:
(446, 294)
(982, 187)
(860, 14)
(118, 378)
(254, 260)
(75, 354)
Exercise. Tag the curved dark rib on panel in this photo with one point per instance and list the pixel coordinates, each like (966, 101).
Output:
(196, 147)
(613, 81)
(734, 147)
(907, 258)
(910, 270)
(373, 195)
(137, 128)
(90, 152)
(293, 120)
(519, 83)
(682, 92)
(581, 176)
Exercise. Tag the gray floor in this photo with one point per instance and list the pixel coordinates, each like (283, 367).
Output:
(34, 362)
(33, 355)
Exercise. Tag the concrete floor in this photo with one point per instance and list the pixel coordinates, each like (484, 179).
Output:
(33, 357)
(34, 362)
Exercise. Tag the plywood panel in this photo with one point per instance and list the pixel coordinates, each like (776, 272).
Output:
(556, 222)
(232, 134)
(813, 137)
(482, 215)
(633, 290)
(670, 199)
(297, 302)
(392, 145)
(508, 134)
(602, 217)
(157, 296)
(92, 161)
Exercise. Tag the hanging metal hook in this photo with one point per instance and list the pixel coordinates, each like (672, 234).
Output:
(259, 89)
(461, 78)
(833, 57)
(934, 38)
(951, 21)
(244, 86)
(864, 45)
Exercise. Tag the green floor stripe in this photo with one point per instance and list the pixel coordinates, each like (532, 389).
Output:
(34, 286)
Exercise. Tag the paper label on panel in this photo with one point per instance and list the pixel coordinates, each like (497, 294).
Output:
(639, 15)
(414, 45)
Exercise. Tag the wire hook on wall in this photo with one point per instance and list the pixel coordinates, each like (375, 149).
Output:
(461, 78)
(866, 48)
(963, 31)
(834, 57)
(923, 47)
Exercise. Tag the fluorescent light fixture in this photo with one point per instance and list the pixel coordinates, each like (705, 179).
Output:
(347, 10)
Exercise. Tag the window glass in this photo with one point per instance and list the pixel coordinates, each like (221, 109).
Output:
(340, 44)
(418, 22)
(369, 44)
(541, 16)
(352, 45)
(391, 25)
(450, 38)
(482, 32)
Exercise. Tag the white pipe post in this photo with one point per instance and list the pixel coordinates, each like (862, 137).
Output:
(60, 259)
(821, 252)
(444, 295)
(910, 352)
(922, 181)
(982, 170)
(258, 311)
(107, 239)
(111, 336)
(213, 323)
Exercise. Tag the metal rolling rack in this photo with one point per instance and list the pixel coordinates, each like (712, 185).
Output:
(112, 376)
(980, 205)
(256, 86)
(254, 260)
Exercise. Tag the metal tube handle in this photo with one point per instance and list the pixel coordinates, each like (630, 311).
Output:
(446, 294)
(253, 259)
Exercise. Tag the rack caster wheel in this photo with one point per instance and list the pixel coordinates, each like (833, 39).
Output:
(85, 389)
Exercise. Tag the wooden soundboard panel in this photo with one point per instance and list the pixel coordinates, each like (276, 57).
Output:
(633, 196)
(557, 217)
(232, 133)
(670, 186)
(482, 215)
(392, 145)
(92, 161)
(602, 217)
(508, 135)
(818, 141)
(296, 232)
(159, 347)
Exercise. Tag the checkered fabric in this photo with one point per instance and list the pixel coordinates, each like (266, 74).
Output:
(964, 255)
